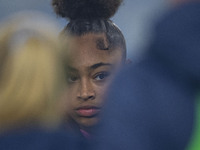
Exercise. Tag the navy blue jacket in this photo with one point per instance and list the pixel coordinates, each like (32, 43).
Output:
(37, 139)
(151, 103)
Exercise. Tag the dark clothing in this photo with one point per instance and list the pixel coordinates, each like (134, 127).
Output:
(36, 139)
(151, 103)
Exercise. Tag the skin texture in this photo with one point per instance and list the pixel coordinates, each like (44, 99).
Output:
(89, 74)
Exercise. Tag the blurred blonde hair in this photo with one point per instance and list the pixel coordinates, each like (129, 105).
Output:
(31, 72)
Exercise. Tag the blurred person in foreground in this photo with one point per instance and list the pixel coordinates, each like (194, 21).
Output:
(154, 104)
(32, 85)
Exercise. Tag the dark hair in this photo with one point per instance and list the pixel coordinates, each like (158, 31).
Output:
(91, 16)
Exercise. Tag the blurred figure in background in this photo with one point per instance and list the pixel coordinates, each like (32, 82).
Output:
(32, 85)
(154, 104)
(98, 51)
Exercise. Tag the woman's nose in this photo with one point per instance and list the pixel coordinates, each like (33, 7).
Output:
(86, 91)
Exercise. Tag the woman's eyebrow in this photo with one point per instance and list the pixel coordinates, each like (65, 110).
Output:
(99, 65)
(71, 69)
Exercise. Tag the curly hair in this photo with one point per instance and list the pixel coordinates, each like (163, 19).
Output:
(91, 16)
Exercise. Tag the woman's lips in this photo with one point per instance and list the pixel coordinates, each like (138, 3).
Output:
(87, 111)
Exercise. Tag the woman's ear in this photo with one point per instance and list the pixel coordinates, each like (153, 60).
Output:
(128, 61)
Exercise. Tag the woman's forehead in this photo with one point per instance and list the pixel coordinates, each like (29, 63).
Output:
(84, 51)
(87, 58)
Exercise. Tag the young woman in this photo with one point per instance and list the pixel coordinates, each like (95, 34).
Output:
(97, 50)
(32, 84)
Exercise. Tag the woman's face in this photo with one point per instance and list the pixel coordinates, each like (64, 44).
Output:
(89, 74)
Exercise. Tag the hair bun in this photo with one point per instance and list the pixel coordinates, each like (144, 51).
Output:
(86, 9)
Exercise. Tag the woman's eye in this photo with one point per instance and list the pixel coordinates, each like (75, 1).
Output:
(72, 78)
(101, 76)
